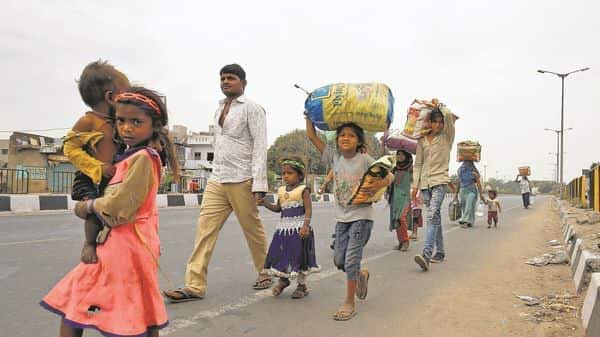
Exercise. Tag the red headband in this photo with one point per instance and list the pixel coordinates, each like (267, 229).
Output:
(138, 97)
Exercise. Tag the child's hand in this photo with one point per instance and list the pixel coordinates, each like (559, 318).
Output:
(304, 231)
(83, 208)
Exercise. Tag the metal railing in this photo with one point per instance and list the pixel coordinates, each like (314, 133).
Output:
(61, 182)
(14, 181)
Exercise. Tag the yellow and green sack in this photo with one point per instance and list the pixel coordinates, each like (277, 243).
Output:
(368, 105)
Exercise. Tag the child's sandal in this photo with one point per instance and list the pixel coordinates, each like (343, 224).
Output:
(281, 284)
(300, 292)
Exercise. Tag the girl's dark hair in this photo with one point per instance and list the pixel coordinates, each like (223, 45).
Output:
(436, 113)
(297, 169)
(357, 130)
(494, 193)
(160, 136)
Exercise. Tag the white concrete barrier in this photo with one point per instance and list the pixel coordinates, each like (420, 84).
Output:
(24, 203)
(586, 258)
(590, 312)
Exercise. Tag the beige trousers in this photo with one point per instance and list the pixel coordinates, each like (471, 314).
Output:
(217, 203)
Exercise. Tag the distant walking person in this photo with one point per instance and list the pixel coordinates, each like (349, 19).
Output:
(237, 182)
(525, 186)
(469, 187)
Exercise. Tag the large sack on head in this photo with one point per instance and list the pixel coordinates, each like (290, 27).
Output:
(395, 140)
(368, 105)
(468, 150)
(417, 118)
(376, 172)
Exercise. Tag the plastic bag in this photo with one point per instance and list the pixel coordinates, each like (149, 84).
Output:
(417, 123)
(368, 105)
(480, 208)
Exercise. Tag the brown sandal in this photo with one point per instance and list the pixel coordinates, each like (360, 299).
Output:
(281, 284)
(344, 313)
(300, 292)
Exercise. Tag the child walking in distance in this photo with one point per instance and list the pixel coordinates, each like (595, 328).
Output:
(493, 208)
(119, 295)
(292, 250)
(90, 146)
(354, 222)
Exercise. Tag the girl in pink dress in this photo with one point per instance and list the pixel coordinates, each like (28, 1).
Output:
(119, 295)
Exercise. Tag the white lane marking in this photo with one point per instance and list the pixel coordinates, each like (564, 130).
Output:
(182, 323)
(31, 241)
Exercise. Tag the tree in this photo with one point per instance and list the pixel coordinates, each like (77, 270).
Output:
(296, 143)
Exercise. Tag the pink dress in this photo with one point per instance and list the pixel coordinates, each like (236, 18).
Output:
(123, 286)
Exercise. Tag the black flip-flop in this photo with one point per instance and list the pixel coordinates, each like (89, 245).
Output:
(186, 296)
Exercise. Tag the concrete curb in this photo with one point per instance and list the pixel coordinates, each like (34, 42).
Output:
(28, 203)
(583, 267)
(581, 262)
(590, 312)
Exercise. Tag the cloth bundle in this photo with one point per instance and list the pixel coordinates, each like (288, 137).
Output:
(468, 150)
(524, 171)
(368, 105)
(395, 140)
(376, 172)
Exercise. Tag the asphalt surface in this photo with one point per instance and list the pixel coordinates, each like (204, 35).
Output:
(37, 250)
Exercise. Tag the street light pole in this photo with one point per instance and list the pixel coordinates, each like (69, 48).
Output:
(558, 149)
(562, 113)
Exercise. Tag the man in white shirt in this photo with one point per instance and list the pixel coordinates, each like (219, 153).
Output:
(525, 186)
(239, 177)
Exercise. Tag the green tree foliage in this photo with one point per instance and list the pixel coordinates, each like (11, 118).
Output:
(296, 143)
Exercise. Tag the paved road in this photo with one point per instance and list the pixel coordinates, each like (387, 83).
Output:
(37, 250)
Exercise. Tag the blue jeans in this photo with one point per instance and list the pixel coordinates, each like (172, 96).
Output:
(350, 239)
(468, 203)
(433, 199)
(525, 199)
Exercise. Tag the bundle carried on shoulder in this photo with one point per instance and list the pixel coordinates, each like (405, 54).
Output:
(417, 119)
(395, 140)
(376, 172)
(524, 171)
(468, 150)
(368, 105)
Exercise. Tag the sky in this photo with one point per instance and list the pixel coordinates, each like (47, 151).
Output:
(478, 57)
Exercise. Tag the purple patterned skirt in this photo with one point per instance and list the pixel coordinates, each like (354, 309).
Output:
(289, 254)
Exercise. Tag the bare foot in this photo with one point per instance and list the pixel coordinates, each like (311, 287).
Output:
(88, 254)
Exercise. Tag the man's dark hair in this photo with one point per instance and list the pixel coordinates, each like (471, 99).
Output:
(235, 69)
(97, 78)
(436, 113)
